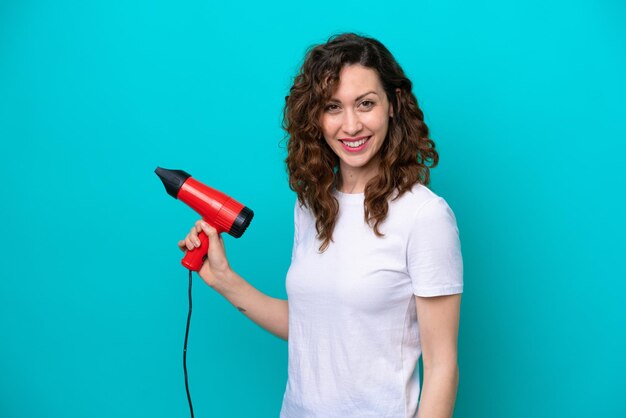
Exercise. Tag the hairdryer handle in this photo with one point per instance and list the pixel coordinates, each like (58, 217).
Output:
(193, 259)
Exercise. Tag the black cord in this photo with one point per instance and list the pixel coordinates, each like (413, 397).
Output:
(185, 349)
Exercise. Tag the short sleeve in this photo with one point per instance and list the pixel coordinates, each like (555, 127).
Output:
(296, 226)
(434, 259)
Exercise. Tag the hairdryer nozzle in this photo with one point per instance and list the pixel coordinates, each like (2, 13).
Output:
(172, 180)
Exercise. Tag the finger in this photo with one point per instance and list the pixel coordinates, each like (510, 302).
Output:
(216, 244)
(209, 230)
(193, 237)
(192, 241)
(182, 245)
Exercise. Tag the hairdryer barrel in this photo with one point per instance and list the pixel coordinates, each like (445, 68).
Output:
(216, 208)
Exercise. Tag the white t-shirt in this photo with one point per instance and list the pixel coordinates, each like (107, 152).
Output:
(353, 333)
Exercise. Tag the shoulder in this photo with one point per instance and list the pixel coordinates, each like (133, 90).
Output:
(298, 207)
(422, 205)
(415, 198)
(421, 194)
(301, 212)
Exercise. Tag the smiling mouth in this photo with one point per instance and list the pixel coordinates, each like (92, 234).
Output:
(356, 144)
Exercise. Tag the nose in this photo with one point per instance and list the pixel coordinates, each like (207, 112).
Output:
(351, 123)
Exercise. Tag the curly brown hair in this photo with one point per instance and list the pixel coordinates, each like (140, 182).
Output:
(313, 167)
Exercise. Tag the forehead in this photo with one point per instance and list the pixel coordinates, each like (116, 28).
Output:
(355, 80)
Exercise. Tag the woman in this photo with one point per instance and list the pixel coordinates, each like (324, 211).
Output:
(376, 274)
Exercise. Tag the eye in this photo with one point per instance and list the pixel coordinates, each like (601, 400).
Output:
(367, 103)
(330, 107)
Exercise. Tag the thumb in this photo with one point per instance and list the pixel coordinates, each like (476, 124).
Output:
(216, 246)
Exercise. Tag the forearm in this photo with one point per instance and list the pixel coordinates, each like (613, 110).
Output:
(269, 313)
(439, 392)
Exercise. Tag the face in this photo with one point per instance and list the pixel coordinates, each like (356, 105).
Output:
(355, 120)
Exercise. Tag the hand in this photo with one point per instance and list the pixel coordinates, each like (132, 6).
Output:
(215, 268)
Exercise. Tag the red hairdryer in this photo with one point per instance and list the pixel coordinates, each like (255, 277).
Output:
(219, 210)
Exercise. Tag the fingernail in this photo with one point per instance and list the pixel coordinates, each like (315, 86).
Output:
(197, 243)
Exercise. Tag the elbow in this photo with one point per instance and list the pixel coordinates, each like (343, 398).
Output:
(449, 367)
(445, 374)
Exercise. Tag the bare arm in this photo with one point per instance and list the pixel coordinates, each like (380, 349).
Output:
(269, 313)
(439, 324)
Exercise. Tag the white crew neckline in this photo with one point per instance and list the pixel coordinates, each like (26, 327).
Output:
(357, 198)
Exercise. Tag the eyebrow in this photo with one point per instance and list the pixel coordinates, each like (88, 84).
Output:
(358, 98)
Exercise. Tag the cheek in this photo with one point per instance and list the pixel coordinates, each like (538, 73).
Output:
(330, 125)
(377, 121)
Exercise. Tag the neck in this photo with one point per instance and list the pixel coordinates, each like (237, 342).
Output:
(354, 180)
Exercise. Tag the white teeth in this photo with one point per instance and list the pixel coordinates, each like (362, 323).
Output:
(357, 143)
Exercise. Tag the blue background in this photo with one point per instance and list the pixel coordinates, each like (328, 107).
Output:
(524, 99)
